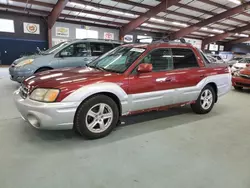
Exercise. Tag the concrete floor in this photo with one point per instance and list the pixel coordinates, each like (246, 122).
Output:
(173, 149)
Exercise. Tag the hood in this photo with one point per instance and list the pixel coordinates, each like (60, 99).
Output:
(245, 71)
(24, 58)
(62, 78)
(240, 65)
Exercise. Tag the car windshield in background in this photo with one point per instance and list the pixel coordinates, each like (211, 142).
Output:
(244, 60)
(54, 48)
(117, 60)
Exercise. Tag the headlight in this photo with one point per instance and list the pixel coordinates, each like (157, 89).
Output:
(25, 62)
(44, 95)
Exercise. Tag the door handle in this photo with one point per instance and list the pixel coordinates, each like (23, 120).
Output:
(168, 79)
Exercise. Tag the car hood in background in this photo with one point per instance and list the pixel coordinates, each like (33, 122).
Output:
(26, 57)
(245, 71)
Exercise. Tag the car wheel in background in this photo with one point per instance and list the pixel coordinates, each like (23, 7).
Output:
(205, 101)
(238, 88)
(96, 117)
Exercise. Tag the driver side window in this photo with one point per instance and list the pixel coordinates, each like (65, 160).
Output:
(75, 50)
(161, 59)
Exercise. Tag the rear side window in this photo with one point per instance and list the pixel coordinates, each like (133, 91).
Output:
(183, 58)
(98, 49)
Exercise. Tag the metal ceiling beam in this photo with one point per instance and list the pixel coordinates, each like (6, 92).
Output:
(27, 10)
(223, 15)
(237, 41)
(146, 16)
(225, 35)
(39, 3)
(180, 14)
(56, 11)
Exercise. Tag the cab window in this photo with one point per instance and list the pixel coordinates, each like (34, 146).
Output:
(184, 58)
(161, 59)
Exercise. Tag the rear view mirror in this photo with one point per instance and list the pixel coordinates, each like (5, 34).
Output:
(144, 68)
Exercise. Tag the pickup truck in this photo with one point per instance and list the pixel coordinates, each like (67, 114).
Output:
(132, 78)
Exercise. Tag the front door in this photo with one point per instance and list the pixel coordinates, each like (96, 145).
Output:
(74, 55)
(154, 89)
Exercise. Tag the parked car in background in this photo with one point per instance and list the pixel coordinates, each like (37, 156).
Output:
(241, 78)
(211, 59)
(66, 54)
(218, 58)
(240, 64)
(130, 79)
(235, 59)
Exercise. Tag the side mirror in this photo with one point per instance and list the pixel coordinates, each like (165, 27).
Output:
(247, 65)
(144, 68)
(64, 54)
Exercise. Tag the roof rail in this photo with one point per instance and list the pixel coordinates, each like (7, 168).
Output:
(102, 40)
(163, 40)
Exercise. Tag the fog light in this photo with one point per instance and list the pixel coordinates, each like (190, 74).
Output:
(33, 120)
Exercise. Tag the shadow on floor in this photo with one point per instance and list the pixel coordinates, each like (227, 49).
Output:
(131, 126)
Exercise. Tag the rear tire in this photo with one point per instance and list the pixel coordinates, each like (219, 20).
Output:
(205, 101)
(238, 88)
(96, 117)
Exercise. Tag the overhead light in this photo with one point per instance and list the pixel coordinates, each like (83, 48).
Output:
(235, 1)
(180, 24)
(128, 14)
(218, 31)
(241, 35)
(204, 28)
(90, 7)
(144, 24)
(77, 4)
(117, 12)
(211, 35)
(158, 20)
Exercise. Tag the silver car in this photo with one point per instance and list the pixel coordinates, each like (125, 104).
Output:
(66, 54)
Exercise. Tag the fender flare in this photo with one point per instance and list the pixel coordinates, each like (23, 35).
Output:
(105, 87)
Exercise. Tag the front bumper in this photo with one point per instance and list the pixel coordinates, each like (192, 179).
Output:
(19, 75)
(241, 82)
(49, 116)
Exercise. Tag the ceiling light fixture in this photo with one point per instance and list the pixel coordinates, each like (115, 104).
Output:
(211, 35)
(235, 1)
(117, 12)
(241, 35)
(180, 24)
(218, 31)
(204, 28)
(157, 20)
(77, 4)
(128, 14)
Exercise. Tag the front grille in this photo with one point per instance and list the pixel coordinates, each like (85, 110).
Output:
(242, 84)
(24, 91)
(245, 76)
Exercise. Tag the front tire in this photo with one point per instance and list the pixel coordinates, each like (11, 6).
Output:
(205, 101)
(96, 117)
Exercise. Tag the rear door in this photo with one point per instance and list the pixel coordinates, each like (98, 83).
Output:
(74, 55)
(187, 74)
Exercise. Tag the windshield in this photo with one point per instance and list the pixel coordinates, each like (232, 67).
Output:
(54, 48)
(117, 60)
(244, 60)
(237, 58)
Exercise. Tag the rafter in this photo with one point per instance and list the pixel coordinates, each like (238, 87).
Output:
(56, 11)
(223, 15)
(225, 35)
(146, 16)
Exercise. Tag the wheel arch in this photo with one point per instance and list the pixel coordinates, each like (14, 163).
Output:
(44, 67)
(214, 86)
